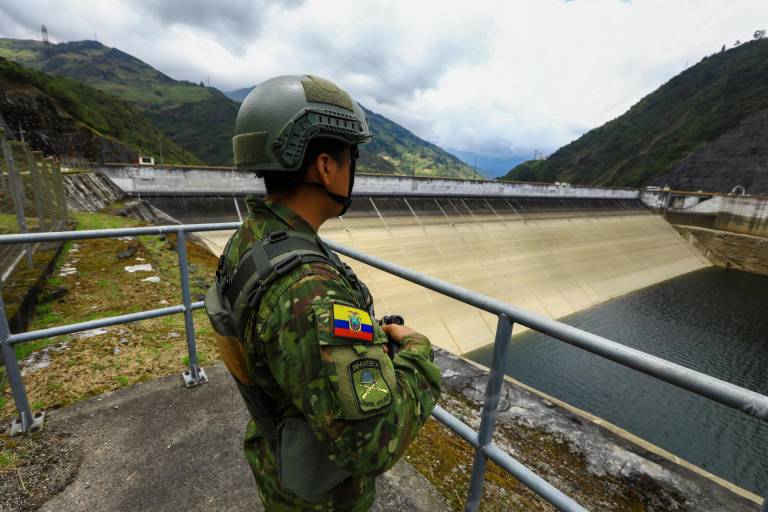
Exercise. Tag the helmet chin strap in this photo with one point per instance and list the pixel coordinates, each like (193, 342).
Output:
(344, 201)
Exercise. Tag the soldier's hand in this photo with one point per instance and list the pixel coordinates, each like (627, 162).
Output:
(396, 332)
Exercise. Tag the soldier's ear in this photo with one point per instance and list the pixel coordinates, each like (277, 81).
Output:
(325, 166)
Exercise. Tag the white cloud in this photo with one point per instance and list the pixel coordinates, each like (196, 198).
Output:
(494, 77)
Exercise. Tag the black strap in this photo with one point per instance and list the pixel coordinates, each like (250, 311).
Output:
(263, 259)
(259, 405)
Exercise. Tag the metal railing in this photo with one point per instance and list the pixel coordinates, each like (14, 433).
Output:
(735, 397)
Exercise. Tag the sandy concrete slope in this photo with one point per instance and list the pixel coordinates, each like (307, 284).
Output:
(552, 266)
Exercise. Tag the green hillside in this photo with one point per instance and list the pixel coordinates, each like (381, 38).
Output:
(396, 150)
(42, 104)
(694, 108)
(199, 119)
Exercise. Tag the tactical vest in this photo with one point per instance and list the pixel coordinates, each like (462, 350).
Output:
(303, 465)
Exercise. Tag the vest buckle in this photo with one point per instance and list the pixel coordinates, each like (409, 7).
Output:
(276, 236)
(255, 296)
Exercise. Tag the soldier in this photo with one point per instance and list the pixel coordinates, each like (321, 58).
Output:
(331, 408)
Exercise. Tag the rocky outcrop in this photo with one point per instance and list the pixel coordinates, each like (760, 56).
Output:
(93, 191)
(47, 127)
(90, 191)
(726, 249)
(739, 157)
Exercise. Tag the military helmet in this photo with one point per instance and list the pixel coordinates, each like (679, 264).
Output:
(278, 118)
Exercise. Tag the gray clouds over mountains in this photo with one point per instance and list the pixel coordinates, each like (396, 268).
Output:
(497, 78)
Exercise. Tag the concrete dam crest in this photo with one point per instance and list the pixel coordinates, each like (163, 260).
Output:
(553, 256)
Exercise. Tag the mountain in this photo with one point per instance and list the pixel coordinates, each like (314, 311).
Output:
(492, 166)
(239, 94)
(66, 118)
(397, 150)
(667, 137)
(199, 119)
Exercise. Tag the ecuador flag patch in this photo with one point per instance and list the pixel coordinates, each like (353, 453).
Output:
(349, 322)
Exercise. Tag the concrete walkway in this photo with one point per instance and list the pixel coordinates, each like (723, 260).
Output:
(160, 447)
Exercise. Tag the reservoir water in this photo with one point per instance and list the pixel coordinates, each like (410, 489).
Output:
(712, 320)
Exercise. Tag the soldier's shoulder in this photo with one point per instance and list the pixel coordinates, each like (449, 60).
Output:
(315, 279)
(291, 297)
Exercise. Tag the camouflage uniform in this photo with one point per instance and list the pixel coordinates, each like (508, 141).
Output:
(292, 354)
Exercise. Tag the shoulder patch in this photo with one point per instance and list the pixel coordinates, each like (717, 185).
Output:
(353, 323)
(371, 390)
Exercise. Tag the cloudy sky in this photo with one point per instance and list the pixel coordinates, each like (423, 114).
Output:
(499, 78)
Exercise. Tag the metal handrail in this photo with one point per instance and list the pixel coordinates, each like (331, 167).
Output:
(733, 396)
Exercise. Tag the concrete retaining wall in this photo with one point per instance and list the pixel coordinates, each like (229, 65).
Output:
(744, 215)
(738, 251)
(180, 181)
(738, 214)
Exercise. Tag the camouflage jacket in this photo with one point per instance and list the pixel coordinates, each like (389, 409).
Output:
(315, 351)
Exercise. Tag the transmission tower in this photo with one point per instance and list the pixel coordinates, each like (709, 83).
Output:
(46, 43)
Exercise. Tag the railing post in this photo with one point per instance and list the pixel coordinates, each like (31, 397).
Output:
(61, 194)
(37, 190)
(490, 405)
(17, 195)
(195, 375)
(26, 421)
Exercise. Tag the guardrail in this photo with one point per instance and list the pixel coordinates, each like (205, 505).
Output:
(744, 400)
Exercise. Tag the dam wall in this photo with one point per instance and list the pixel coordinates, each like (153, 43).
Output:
(153, 180)
(552, 249)
(552, 256)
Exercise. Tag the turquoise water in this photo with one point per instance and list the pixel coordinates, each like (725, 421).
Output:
(712, 320)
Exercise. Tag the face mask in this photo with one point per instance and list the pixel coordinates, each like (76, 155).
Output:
(344, 201)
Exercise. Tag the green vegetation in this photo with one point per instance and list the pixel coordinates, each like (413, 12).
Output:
(695, 107)
(197, 118)
(105, 115)
(395, 150)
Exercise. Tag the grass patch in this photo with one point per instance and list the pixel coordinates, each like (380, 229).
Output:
(6, 459)
(24, 349)
(85, 221)
(125, 354)
(202, 358)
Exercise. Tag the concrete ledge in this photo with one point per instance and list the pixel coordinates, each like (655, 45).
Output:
(159, 447)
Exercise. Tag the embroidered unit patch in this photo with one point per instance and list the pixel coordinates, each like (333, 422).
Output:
(371, 389)
(349, 322)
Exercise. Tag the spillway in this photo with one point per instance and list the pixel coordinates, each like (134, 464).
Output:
(553, 256)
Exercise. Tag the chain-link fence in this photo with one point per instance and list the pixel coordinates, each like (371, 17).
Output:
(32, 198)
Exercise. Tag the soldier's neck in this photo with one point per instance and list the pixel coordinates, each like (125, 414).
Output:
(307, 205)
